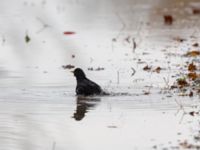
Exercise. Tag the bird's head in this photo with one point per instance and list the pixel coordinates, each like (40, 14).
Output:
(79, 74)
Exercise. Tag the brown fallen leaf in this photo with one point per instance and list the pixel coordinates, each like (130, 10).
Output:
(27, 38)
(112, 126)
(114, 40)
(193, 53)
(179, 39)
(186, 145)
(96, 69)
(147, 68)
(146, 93)
(99, 69)
(193, 75)
(182, 82)
(196, 11)
(197, 138)
(195, 44)
(168, 19)
(158, 69)
(127, 39)
(192, 67)
(182, 94)
(69, 32)
(68, 66)
(134, 44)
(192, 113)
(198, 91)
(155, 147)
(173, 87)
(191, 94)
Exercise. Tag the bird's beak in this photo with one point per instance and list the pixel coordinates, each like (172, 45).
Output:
(72, 71)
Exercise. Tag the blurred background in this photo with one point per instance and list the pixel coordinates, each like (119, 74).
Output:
(39, 37)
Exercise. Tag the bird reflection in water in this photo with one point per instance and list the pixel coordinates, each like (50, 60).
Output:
(83, 104)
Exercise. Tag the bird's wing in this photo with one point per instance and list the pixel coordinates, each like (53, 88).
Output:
(94, 86)
(88, 87)
(80, 90)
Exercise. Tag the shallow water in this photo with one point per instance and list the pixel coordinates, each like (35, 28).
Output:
(51, 118)
(38, 106)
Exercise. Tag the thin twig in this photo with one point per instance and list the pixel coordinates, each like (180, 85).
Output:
(134, 44)
(133, 71)
(117, 77)
(166, 82)
(123, 25)
(3, 40)
(44, 25)
(179, 109)
(54, 145)
(183, 115)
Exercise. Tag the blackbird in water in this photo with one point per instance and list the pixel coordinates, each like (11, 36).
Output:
(85, 86)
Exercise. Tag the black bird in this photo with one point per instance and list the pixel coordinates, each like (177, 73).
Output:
(85, 86)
